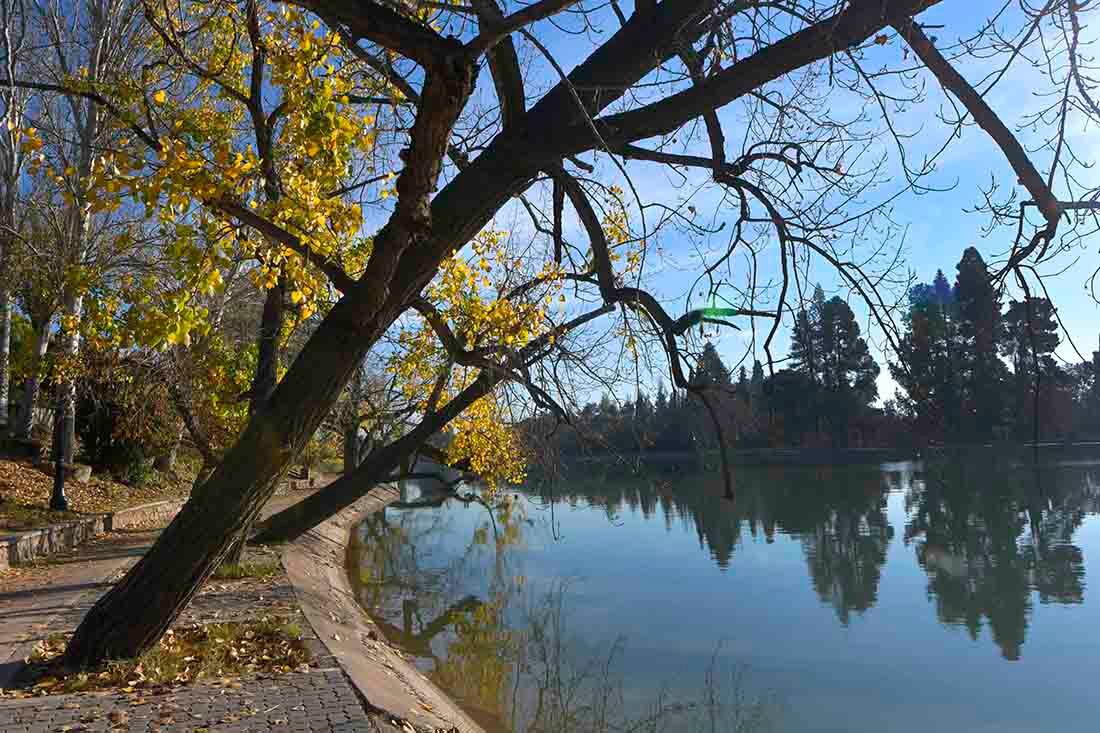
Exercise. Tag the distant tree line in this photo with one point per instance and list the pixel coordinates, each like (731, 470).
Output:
(973, 370)
(823, 399)
(970, 370)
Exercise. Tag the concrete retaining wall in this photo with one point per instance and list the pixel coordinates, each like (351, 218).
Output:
(146, 516)
(315, 565)
(25, 547)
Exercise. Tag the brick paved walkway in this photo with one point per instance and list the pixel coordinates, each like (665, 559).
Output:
(54, 597)
(309, 702)
(36, 601)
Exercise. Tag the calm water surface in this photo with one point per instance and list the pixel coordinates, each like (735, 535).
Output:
(901, 597)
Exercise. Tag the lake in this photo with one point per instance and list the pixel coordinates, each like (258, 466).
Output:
(897, 597)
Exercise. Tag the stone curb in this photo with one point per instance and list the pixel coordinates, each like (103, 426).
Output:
(139, 517)
(24, 547)
(315, 564)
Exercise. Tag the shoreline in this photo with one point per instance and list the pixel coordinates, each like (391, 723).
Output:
(316, 565)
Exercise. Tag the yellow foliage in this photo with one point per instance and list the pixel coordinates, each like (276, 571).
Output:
(204, 157)
(475, 294)
(493, 449)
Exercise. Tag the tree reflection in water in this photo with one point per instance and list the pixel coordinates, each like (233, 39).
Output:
(839, 516)
(991, 539)
(988, 534)
(509, 657)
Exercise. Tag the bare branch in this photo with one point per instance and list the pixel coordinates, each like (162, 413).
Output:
(489, 37)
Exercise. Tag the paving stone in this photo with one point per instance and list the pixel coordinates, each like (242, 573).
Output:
(316, 701)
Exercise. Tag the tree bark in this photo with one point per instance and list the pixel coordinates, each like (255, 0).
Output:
(267, 356)
(7, 240)
(235, 554)
(264, 382)
(294, 521)
(74, 310)
(33, 384)
(351, 449)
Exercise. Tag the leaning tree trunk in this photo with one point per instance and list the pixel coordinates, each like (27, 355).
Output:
(134, 614)
(296, 520)
(33, 384)
(263, 383)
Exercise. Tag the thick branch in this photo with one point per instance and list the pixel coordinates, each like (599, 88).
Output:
(340, 279)
(984, 115)
(503, 65)
(496, 32)
(379, 24)
(847, 29)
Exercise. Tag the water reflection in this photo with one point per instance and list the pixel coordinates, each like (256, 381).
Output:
(485, 604)
(838, 514)
(509, 655)
(987, 535)
(990, 538)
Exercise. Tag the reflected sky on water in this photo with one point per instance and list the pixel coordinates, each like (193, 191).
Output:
(867, 598)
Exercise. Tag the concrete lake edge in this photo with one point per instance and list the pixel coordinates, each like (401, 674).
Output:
(316, 565)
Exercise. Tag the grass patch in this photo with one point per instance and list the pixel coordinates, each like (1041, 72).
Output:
(262, 570)
(202, 652)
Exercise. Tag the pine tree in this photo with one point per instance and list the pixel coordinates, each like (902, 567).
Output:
(710, 371)
(756, 385)
(804, 354)
(849, 372)
(928, 359)
(643, 410)
(1031, 336)
(980, 332)
(1025, 331)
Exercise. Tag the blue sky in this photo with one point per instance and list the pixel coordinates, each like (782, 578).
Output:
(934, 228)
(930, 230)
